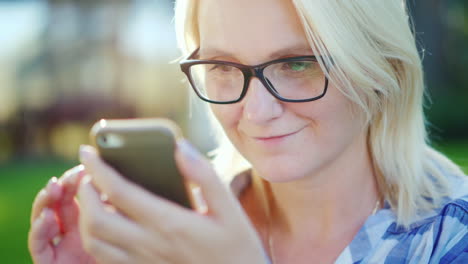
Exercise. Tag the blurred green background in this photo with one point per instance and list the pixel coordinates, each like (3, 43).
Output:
(66, 63)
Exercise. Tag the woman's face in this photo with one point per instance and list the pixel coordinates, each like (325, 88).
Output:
(283, 141)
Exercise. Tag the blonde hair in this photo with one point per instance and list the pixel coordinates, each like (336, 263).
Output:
(377, 66)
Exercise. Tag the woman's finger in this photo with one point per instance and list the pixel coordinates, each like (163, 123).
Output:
(104, 252)
(43, 230)
(119, 232)
(129, 198)
(70, 181)
(67, 209)
(197, 169)
(98, 222)
(47, 197)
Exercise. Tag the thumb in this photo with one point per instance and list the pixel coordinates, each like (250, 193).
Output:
(195, 168)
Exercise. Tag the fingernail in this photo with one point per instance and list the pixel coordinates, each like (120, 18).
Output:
(86, 179)
(71, 173)
(188, 149)
(85, 153)
(81, 174)
(52, 180)
(76, 170)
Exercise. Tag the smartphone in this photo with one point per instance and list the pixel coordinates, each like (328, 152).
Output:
(142, 150)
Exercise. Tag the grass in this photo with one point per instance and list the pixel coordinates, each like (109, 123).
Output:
(457, 151)
(19, 183)
(21, 180)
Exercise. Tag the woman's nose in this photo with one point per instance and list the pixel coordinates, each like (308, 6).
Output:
(260, 105)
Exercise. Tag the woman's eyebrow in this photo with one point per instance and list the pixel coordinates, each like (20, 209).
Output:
(213, 52)
(293, 50)
(301, 49)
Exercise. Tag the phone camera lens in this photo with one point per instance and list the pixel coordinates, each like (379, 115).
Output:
(102, 141)
(111, 140)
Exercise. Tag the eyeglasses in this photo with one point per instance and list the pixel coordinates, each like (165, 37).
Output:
(294, 79)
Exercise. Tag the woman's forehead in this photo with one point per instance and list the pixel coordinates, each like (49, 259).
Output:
(208, 51)
(267, 28)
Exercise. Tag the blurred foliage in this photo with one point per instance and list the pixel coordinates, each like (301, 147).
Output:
(441, 29)
(457, 151)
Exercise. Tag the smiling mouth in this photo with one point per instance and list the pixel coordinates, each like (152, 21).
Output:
(277, 137)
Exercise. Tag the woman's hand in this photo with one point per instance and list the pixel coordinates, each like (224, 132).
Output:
(54, 235)
(135, 226)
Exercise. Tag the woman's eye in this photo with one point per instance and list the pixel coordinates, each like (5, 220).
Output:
(298, 66)
(222, 68)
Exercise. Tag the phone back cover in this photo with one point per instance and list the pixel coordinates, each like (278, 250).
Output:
(148, 160)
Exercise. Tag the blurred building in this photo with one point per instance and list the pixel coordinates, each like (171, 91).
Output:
(74, 62)
(66, 63)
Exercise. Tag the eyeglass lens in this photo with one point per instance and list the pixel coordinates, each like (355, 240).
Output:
(294, 80)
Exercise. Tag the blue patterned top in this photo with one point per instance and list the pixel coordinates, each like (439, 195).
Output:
(439, 236)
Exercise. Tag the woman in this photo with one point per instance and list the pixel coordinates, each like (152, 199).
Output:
(330, 123)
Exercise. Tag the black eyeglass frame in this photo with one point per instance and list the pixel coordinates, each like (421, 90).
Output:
(248, 72)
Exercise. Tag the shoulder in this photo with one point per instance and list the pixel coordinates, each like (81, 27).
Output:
(440, 236)
(451, 232)
(436, 236)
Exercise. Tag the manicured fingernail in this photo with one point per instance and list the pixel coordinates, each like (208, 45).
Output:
(82, 173)
(43, 192)
(188, 149)
(85, 153)
(86, 179)
(51, 181)
(71, 173)
(76, 170)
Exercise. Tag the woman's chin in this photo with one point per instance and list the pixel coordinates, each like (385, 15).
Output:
(278, 174)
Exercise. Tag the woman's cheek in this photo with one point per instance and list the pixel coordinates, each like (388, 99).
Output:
(227, 115)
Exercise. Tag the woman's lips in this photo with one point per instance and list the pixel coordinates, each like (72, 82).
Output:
(276, 138)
